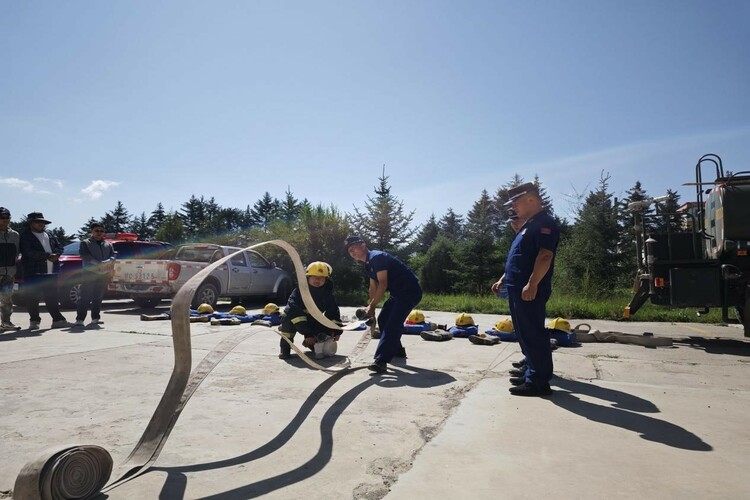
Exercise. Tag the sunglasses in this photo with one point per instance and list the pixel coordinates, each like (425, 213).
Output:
(97, 230)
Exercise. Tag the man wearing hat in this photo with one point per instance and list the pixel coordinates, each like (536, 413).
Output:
(40, 253)
(9, 242)
(528, 280)
(386, 273)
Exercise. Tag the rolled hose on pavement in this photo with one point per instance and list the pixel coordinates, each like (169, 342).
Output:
(82, 471)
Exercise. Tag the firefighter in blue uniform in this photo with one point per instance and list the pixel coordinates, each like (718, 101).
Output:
(387, 273)
(528, 279)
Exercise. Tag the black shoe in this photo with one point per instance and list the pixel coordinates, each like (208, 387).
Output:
(285, 355)
(519, 364)
(530, 390)
(517, 380)
(401, 353)
(517, 372)
(377, 366)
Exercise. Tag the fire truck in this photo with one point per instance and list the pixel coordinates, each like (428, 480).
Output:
(703, 262)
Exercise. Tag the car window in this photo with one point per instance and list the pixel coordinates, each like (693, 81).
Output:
(72, 248)
(239, 260)
(256, 260)
(124, 249)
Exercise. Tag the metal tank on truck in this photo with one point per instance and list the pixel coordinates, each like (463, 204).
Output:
(704, 263)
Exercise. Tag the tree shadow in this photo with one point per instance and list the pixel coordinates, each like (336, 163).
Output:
(716, 345)
(175, 484)
(623, 414)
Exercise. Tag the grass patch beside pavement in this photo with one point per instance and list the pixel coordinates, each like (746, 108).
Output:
(571, 307)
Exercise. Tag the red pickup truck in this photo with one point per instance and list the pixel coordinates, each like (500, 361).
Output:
(126, 246)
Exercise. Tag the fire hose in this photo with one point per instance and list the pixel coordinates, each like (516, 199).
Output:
(82, 471)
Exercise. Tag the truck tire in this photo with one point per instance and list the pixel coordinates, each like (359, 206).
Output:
(743, 313)
(70, 294)
(147, 303)
(283, 293)
(207, 293)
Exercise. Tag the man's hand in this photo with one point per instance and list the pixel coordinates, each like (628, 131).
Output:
(309, 342)
(498, 284)
(529, 292)
(370, 311)
(53, 257)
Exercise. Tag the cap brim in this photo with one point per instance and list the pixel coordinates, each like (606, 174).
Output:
(42, 220)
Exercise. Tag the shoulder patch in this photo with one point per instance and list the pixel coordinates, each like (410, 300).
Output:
(545, 230)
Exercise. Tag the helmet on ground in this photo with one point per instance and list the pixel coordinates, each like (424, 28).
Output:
(270, 308)
(559, 324)
(205, 309)
(416, 316)
(318, 268)
(238, 310)
(505, 325)
(464, 319)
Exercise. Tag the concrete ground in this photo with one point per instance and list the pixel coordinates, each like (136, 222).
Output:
(624, 421)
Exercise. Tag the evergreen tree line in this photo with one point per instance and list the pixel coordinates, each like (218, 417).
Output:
(452, 253)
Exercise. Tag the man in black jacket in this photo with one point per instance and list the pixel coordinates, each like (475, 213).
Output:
(97, 261)
(9, 242)
(40, 255)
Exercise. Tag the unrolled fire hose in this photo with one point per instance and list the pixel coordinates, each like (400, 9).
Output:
(82, 471)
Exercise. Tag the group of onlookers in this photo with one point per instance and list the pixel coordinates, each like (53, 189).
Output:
(40, 252)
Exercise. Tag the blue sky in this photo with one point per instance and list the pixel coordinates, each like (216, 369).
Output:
(146, 102)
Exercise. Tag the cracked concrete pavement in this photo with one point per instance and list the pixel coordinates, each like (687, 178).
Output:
(623, 421)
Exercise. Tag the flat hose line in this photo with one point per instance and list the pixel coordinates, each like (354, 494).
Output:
(82, 471)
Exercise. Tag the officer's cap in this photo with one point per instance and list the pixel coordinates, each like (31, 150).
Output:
(518, 191)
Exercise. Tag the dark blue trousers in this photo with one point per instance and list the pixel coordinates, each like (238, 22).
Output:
(528, 321)
(391, 322)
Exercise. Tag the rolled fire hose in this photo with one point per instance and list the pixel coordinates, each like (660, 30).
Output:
(82, 471)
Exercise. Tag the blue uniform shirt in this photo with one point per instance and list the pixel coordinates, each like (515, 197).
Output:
(541, 231)
(401, 280)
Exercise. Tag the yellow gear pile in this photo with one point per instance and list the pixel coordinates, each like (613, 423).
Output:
(205, 309)
(560, 324)
(270, 308)
(238, 311)
(464, 319)
(416, 316)
(505, 325)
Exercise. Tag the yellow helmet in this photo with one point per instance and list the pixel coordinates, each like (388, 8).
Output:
(318, 268)
(270, 308)
(205, 309)
(464, 319)
(559, 324)
(238, 310)
(416, 316)
(505, 325)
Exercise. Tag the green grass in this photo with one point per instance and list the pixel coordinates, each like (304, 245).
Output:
(571, 307)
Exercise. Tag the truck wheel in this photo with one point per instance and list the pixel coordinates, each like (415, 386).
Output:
(70, 295)
(207, 293)
(147, 303)
(743, 313)
(283, 293)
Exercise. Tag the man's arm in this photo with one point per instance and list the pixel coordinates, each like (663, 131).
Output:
(541, 266)
(377, 292)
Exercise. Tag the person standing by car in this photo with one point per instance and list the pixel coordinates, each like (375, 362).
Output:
(9, 243)
(40, 253)
(386, 273)
(97, 261)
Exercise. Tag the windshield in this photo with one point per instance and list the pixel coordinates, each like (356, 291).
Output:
(72, 249)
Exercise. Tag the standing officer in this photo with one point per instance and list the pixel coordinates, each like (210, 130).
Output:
(40, 255)
(528, 279)
(98, 261)
(9, 242)
(387, 273)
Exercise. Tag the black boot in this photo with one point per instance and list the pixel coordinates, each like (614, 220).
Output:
(286, 350)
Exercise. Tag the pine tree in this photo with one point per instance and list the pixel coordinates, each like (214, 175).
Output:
(193, 216)
(118, 220)
(265, 211)
(172, 229)
(666, 219)
(477, 253)
(452, 225)
(290, 208)
(427, 235)
(437, 268)
(384, 224)
(63, 238)
(157, 218)
(140, 226)
(590, 260)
